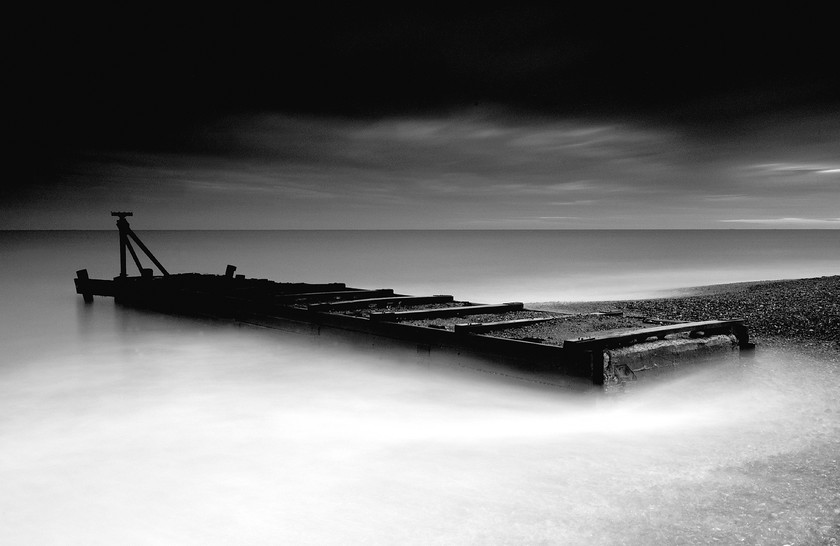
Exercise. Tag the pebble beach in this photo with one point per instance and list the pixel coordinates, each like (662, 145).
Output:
(791, 496)
(801, 314)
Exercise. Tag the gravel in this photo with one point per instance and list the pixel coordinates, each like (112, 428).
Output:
(448, 323)
(803, 312)
(570, 327)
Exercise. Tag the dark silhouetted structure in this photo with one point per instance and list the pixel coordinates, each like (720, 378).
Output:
(524, 343)
(125, 233)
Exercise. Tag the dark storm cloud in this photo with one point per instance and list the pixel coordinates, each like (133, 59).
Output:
(138, 77)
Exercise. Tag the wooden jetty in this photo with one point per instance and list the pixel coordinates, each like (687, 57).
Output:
(562, 352)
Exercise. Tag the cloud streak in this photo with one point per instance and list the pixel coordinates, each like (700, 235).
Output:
(480, 168)
(786, 170)
(786, 221)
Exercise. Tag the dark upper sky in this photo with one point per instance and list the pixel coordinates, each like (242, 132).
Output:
(135, 81)
(138, 69)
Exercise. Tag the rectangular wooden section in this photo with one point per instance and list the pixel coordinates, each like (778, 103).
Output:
(379, 302)
(260, 301)
(613, 338)
(311, 297)
(95, 287)
(392, 316)
(81, 280)
(479, 327)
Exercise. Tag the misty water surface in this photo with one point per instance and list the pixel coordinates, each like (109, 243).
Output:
(120, 426)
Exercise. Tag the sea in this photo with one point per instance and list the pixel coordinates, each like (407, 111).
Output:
(121, 426)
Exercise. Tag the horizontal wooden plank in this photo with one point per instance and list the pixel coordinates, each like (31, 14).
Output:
(96, 287)
(478, 327)
(264, 286)
(335, 295)
(379, 302)
(445, 312)
(661, 321)
(613, 338)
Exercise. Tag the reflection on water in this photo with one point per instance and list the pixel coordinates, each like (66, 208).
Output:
(163, 430)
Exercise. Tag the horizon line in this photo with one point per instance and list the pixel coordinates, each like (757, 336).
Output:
(775, 228)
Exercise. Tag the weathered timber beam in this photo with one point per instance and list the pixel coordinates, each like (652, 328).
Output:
(283, 289)
(302, 287)
(613, 338)
(82, 282)
(93, 287)
(445, 312)
(648, 320)
(307, 297)
(480, 327)
(379, 302)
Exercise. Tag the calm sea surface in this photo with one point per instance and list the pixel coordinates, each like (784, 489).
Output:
(119, 426)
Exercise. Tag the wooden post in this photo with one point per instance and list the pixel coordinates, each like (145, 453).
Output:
(123, 242)
(745, 346)
(82, 278)
(596, 359)
(122, 225)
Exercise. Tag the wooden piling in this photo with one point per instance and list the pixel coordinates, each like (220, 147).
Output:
(82, 279)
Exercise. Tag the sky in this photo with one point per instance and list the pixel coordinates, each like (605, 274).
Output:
(426, 117)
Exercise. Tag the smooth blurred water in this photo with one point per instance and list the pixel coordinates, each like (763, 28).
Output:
(478, 265)
(121, 426)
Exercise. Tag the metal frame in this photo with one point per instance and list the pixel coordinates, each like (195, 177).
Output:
(126, 233)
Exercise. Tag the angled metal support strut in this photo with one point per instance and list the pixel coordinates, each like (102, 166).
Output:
(125, 243)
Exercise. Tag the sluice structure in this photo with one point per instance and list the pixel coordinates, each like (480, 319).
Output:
(594, 350)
